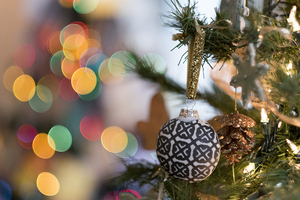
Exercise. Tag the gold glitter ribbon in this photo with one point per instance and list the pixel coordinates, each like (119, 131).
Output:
(195, 53)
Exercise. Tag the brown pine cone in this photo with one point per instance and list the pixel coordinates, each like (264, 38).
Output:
(236, 120)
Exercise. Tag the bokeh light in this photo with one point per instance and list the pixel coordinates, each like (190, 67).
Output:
(84, 81)
(132, 192)
(74, 46)
(47, 184)
(95, 61)
(95, 93)
(41, 147)
(66, 3)
(156, 61)
(52, 82)
(23, 87)
(33, 196)
(105, 75)
(91, 127)
(54, 43)
(66, 91)
(42, 99)
(26, 188)
(5, 191)
(73, 125)
(69, 66)
(24, 56)
(72, 29)
(85, 6)
(106, 9)
(110, 196)
(114, 139)
(56, 63)
(61, 137)
(10, 75)
(94, 35)
(87, 54)
(131, 148)
(26, 134)
(44, 34)
(120, 62)
(116, 67)
(83, 25)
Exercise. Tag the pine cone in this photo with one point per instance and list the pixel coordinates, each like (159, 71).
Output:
(236, 120)
(235, 135)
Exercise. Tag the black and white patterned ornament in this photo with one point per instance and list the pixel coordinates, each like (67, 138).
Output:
(188, 148)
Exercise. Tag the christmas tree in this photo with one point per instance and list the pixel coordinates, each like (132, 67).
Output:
(257, 44)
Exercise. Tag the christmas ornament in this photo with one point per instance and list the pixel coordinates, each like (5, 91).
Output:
(195, 52)
(158, 116)
(248, 75)
(236, 11)
(187, 147)
(235, 135)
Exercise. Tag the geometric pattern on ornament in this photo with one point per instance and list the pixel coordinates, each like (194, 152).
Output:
(188, 150)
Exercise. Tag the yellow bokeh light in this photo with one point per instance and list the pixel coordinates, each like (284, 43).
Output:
(10, 75)
(52, 82)
(47, 184)
(71, 31)
(41, 146)
(23, 87)
(68, 67)
(84, 81)
(74, 46)
(94, 43)
(114, 139)
(116, 67)
(66, 4)
(54, 43)
(105, 9)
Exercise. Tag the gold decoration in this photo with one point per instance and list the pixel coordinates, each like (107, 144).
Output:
(195, 52)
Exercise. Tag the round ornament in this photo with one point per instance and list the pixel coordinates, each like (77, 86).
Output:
(188, 148)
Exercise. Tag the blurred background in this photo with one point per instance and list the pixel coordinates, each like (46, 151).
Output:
(68, 117)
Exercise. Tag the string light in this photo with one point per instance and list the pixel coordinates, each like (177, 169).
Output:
(289, 68)
(249, 168)
(264, 116)
(292, 19)
(293, 146)
(279, 124)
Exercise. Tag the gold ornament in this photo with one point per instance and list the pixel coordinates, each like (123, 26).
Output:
(195, 52)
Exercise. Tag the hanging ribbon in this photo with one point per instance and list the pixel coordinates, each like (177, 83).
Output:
(195, 53)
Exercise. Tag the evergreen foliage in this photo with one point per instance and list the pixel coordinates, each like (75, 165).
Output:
(277, 172)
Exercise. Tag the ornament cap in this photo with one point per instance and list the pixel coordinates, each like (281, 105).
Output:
(188, 113)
